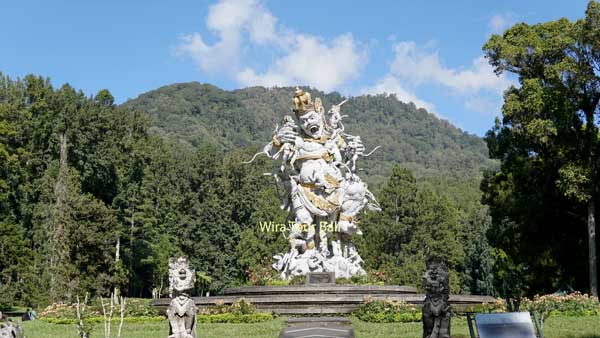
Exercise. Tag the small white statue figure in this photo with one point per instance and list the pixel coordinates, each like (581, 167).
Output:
(182, 310)
(323, 192)
(9, 329)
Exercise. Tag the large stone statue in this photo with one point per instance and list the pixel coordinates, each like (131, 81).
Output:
(323, 192)
(436, 308)
(182, 310)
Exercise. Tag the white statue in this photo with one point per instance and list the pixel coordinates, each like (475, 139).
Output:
(182, 310)
(323, 192)
(9, 329)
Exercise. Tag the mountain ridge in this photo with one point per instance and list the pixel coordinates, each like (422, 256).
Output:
(195, 113)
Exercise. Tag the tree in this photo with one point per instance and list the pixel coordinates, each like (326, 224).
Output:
(386, 232)
(548, 138)
(414, 224)
(256, 245)
(15, 262)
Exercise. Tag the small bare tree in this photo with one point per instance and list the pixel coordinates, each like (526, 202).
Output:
(83, 328)
(108, 316)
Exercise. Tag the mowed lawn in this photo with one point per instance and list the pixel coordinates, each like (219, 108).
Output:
(555, 327)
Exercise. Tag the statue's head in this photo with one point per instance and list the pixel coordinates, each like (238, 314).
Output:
(436, 277)
(309, 114)
(182, 277)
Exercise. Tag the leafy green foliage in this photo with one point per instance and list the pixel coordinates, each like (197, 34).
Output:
(388, 311)
(570, 305)
(416, 223)
(241, 311)
(62, 313)
(548, 145)
(95, 320)
(239, 307)
(235, 318)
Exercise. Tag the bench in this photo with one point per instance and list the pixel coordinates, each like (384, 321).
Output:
(504, 325)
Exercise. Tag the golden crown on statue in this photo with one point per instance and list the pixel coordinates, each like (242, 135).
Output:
(303, 103)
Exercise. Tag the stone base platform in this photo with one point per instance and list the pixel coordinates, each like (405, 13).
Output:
(322, 299)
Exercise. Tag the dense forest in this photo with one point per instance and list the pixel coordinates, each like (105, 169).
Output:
(97, 196)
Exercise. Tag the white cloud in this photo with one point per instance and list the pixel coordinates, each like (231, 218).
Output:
(219, 56)
(417, 66)
(391, 85)
(301, 59)
(228, 20)
(500, 22)
(234, 16)
(311, 62)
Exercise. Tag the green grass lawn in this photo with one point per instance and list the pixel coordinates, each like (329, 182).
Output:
(555, 327)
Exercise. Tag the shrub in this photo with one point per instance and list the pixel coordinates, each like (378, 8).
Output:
(278, 282)
(298, 280)
(262, 274)
(100, 319)
(234, 318)
(372, 278)
(240, 307)
(571, 305)
(240, 311)
(388, 311)
(60, 311)
(135, 307)
(498, 305)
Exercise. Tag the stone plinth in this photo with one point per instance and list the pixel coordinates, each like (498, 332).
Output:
(330, 299)
(320, 278)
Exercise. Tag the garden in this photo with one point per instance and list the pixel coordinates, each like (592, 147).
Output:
(573, 315)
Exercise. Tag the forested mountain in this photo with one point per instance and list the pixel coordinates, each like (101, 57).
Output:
(201, 113)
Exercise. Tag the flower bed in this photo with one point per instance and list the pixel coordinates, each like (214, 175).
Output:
(570, 305)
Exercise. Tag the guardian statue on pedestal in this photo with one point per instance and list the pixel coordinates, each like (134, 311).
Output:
(436, 307)
(182, 310)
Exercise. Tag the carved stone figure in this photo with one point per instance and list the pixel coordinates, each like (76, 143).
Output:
(182, 310)
(9, 329)
(323, 192)
(436, 308)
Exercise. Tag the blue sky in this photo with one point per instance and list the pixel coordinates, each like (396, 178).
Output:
(423, 51)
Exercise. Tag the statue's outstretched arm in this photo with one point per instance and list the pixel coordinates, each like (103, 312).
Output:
(281, 136)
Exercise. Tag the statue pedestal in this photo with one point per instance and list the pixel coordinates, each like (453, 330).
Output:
(322, 299)
(320, 278)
